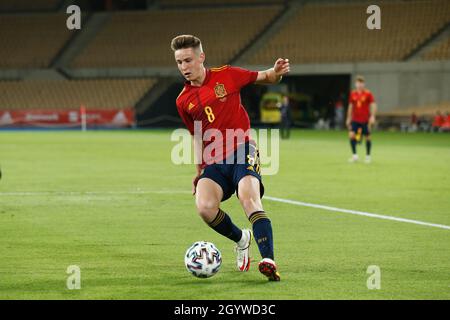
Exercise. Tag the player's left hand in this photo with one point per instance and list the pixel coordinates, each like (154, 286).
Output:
(281, 66)
(372, 120)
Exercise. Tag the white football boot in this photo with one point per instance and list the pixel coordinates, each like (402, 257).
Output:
(243, 251)
(353, 159)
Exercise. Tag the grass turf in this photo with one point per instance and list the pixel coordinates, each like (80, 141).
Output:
(112, 203)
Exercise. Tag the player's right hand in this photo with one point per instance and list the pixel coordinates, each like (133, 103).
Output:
(196, 178)
(194, 184)
(347, 123)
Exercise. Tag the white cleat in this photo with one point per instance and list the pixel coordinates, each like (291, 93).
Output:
(243, 251)
(368, 159)
(353, 159)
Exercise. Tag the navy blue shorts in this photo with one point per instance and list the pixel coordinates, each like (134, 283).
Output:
(227, 175)
(363, 126)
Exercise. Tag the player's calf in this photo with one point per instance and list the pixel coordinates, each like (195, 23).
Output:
(353, 143)
(262, 231)
(368, 148)
(222, 224)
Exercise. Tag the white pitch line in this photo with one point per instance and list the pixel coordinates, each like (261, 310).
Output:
(359, 213)
(89, 193)
(298, 203)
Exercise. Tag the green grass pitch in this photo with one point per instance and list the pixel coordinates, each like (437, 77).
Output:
(112, 203)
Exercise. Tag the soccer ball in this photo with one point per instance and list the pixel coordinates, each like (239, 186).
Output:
(203, 259)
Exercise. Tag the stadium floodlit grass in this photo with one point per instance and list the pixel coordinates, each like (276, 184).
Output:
(112, 203)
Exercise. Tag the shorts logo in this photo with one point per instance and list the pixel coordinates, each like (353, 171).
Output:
(220, 91)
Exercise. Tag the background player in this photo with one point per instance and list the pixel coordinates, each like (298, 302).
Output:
(360, 117)
(212, 96)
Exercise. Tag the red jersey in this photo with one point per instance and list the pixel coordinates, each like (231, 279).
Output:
(438, 121)
(217, 104)
(360, 102)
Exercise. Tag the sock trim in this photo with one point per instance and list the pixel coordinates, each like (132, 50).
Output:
(218, 219)
(257, 215)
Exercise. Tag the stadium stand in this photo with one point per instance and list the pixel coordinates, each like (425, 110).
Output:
(31, 40)
(218, 2)
(244, 32)
(426, 110)
(402, 116)
(139, 39)
(69, 94)
(327, 33)
(439, 52)
(28, 5)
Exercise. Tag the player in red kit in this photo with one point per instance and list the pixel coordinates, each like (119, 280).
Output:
(360, 117)
(210, 101)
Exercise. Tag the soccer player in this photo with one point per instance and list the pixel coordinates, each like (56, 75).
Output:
(438, 122)
(211, 98)
(360, 117)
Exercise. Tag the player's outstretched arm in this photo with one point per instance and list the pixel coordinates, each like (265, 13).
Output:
(274, 75)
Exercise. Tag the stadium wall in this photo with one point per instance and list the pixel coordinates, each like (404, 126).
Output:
(396, 85)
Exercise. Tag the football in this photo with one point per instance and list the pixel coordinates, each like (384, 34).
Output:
(203, 259)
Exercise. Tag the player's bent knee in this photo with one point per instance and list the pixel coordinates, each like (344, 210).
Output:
(207, 209)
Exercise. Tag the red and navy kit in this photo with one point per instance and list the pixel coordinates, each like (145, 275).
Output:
(361, 101)
(217, 105)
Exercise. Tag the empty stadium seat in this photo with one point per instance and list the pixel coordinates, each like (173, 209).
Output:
(31, 40)
(28, 5)
(439, 52)
(327, 33)
(139, 39)
(217, 2)
(70, 94)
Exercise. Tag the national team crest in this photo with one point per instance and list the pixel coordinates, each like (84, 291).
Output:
(220, 91)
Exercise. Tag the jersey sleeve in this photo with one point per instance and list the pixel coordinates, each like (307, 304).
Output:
(350, 98)
(187, 119)
(371, 97)
(242, 77)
